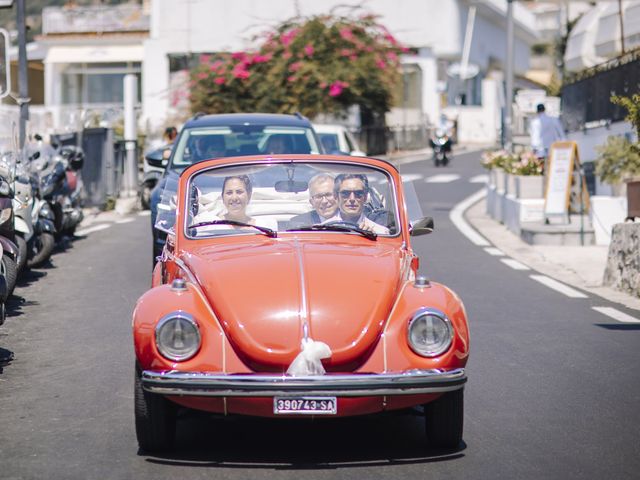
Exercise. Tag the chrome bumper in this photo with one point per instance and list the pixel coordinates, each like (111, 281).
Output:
(410, 382)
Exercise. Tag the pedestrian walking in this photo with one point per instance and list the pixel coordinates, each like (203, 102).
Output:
(544, 130)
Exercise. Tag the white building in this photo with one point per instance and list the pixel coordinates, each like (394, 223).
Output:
(181, 28)
(88, 50)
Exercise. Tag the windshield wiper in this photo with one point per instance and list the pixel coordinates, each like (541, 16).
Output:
(336, 227)
(267, 231)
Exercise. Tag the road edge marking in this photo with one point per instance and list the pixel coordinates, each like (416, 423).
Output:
(456, 215)
(616, 314)
(558, 286)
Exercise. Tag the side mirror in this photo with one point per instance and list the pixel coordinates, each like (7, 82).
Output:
(157, 158)
(421, 227)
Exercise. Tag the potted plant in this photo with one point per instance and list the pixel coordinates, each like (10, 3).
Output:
(527, 171)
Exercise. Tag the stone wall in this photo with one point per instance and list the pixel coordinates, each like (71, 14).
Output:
(623, 263)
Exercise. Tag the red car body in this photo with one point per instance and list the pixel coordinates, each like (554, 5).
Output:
(256, 298)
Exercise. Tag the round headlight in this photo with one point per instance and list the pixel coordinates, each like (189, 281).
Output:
(430, 332)
(177, 336)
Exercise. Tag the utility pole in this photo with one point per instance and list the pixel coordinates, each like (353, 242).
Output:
(621, 26)
(508, 100)
(23, 79)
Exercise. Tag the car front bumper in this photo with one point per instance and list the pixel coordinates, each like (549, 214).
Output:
(410, 382)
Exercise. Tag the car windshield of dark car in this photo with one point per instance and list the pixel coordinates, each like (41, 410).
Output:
(203, 143)
(293, 197)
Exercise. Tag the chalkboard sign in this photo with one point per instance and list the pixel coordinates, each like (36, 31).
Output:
(563, 176)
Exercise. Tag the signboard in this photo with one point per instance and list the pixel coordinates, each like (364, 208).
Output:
(5, 66)
(562, 165)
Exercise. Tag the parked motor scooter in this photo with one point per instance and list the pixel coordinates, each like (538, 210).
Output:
(4, 294)
(10, 252)
(441, 144)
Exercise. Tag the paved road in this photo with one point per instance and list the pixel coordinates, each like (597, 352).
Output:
(554, 389)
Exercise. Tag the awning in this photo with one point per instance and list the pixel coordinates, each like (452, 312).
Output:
(95, 54)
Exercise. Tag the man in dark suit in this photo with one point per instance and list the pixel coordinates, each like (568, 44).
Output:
(321, 198)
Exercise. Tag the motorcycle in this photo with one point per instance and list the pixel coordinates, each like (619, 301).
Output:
(441, 144)
(34, 220)
(61, 186)
(10, 252)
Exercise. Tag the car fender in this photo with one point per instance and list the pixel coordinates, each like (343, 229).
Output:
(393, 353)
(163, 300)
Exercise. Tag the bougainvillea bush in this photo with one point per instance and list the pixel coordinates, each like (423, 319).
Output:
(523, 163)
(321, 64)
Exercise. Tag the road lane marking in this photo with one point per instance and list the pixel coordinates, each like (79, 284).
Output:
(410, 177)
(144, 213)
(516, 265)
(479, 179)
(125, 220)
(557, 286)
(442, 178)
(616, 314)
(95, 228)
(496, 252)
(457, 218)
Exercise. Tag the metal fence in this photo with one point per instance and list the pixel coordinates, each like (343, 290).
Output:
(586, 97)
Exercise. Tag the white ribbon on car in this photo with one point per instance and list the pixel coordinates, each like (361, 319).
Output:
(309, 360)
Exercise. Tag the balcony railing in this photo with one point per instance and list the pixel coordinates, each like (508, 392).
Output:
(94, 19)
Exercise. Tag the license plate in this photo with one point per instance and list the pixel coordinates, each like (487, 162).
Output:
(305, 405)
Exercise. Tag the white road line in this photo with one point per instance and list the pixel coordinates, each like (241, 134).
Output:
(144, 213)
(616, 314)
(557, 286)
(457, 218)
(410, 177)
(496, 252)
(125, 220)
(95, 228)
(479, 179)
(516, 265)
(443, 178)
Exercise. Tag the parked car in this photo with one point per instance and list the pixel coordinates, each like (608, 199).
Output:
(336, 139)
(213, 136)
(253, 313)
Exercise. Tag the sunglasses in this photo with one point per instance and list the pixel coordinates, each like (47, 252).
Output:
(359, 194)
(322, 196)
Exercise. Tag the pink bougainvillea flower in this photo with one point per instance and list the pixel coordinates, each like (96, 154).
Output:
(204, 58)
(353, 57)
(323, 84)
(294, 67)
(308, 49)
(262, 58)
(202, 75)
(336, 88)
(392, 57)
(287, 37)
(219, 81)
(238, 55)
(286, 55)
(346, 33)
(345, 52)
(380, 64)
(240, 73)
(291, 79)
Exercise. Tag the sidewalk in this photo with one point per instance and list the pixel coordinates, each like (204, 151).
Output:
(579, 266)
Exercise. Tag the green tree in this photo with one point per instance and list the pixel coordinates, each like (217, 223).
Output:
(320, 64)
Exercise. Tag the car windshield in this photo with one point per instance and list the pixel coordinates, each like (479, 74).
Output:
(202, 143)
(288, 196)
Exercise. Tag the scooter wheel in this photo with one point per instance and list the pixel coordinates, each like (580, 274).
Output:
(43, 248)
(10, 271)
(23, 252)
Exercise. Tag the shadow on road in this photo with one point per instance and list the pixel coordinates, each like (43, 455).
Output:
(279, 444)
(6, 356)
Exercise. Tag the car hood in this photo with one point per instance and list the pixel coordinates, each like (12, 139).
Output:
(265, 293)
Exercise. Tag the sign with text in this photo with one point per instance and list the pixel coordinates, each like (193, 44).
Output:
(563, 157)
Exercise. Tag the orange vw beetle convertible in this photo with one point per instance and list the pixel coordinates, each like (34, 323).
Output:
(288, 288)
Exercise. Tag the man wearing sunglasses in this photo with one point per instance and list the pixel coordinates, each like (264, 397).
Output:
(352, 191)
(321, 198)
